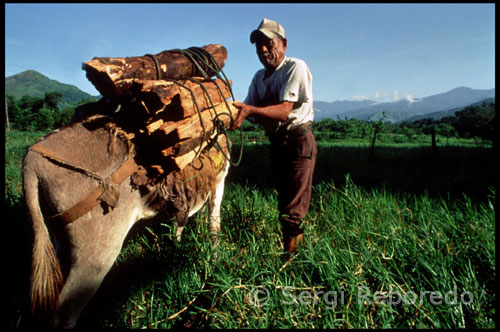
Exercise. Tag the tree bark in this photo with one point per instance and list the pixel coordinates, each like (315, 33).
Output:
(104, 72)
(163, 101)
(167, 101)
(175, 144)
(192, 127)
(181, 161)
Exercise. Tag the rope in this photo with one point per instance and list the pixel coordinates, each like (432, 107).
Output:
(157, 65)
(198, 111)
(56, 159)
(198, 56)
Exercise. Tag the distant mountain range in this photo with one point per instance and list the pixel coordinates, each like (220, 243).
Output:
(32, 83)
(403, 110)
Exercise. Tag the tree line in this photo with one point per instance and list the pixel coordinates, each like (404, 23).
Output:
(30, 113)
(475, 121)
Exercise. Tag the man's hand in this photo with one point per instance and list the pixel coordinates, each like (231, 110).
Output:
(244, 112)
(278, 112)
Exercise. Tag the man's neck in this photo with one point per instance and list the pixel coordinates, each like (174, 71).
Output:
(271, 70)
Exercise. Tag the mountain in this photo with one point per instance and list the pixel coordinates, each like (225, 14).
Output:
(404, 109)
(451, 112)
(324, 109)
(32, 83)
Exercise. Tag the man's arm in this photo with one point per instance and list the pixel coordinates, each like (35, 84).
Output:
(276, 112)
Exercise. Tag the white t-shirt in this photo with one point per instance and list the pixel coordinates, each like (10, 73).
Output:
(291, 81)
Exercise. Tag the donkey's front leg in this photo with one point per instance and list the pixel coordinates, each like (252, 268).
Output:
(215, 204)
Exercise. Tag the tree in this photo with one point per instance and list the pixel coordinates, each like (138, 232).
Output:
(7, 115)
(333, 128)
(446, 130)
(428, 127)
(17, 115)
(409, 129)
(42, 120)
(31, 103)
(363, 128)
(377, 126)
(52, 100)
(476, 121)
(63, 117)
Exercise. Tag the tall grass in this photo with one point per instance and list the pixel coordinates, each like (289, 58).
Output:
(16, 145)
(407, 225)
(364, 250)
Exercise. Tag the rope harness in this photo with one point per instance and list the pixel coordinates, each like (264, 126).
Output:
(107, 191)
(199, 58)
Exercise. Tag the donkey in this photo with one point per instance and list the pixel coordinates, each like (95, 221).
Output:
(71, 256)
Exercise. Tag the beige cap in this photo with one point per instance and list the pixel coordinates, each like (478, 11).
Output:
(269, 28)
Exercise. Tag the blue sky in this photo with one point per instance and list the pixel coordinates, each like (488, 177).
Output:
(355, 51)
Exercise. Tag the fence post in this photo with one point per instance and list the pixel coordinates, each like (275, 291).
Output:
(7, 115)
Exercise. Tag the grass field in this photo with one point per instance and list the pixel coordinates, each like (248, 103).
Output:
(403, 240)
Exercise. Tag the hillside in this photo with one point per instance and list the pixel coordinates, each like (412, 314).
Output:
(32, 83)
(442, 114)
(403, 110)
(323, 109)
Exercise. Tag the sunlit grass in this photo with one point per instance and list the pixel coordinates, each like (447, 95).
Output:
(362, 246)
(409, 222)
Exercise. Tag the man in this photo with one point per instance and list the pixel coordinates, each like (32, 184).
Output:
(280, 100)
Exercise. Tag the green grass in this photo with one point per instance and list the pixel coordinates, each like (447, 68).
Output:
(16, 146)
(360, 244)
(407, 222)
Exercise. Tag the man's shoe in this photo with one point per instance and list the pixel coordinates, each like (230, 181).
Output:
(291, 243)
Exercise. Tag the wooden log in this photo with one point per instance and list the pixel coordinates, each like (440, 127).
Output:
(174, 146)
(190, 136)
(174, 162)
(204, 95)
(182, 161)
(170, 101)
(183, 147)
(104, 72)
(179, 162)
(191, 127)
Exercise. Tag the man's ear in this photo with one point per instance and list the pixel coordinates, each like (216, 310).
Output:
(284, 43)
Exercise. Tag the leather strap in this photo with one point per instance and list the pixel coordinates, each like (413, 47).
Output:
(82, 207)
(47, 153)
(96, 195)
(94, 198)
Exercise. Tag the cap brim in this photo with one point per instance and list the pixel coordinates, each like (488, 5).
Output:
(267, 33)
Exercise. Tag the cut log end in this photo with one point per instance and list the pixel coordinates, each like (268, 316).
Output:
(100, 80)
(105, 72)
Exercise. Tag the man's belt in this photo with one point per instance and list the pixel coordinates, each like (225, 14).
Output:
(296, 131)
(301, 129)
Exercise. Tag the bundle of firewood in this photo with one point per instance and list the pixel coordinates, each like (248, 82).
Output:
(178, 106)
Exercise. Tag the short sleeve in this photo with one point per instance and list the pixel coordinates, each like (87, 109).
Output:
(298, 84)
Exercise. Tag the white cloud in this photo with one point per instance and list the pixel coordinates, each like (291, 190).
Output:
(380, 96)
(395, 96)
(376, 96)
(409, 97)
(360, 97)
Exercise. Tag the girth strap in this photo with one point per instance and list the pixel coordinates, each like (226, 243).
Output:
(106, 191)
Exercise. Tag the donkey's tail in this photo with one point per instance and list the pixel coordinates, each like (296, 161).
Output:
(46, 274)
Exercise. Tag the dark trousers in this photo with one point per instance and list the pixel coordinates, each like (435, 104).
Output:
(293, 159)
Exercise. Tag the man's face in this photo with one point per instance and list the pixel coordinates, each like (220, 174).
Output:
(270, 51)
